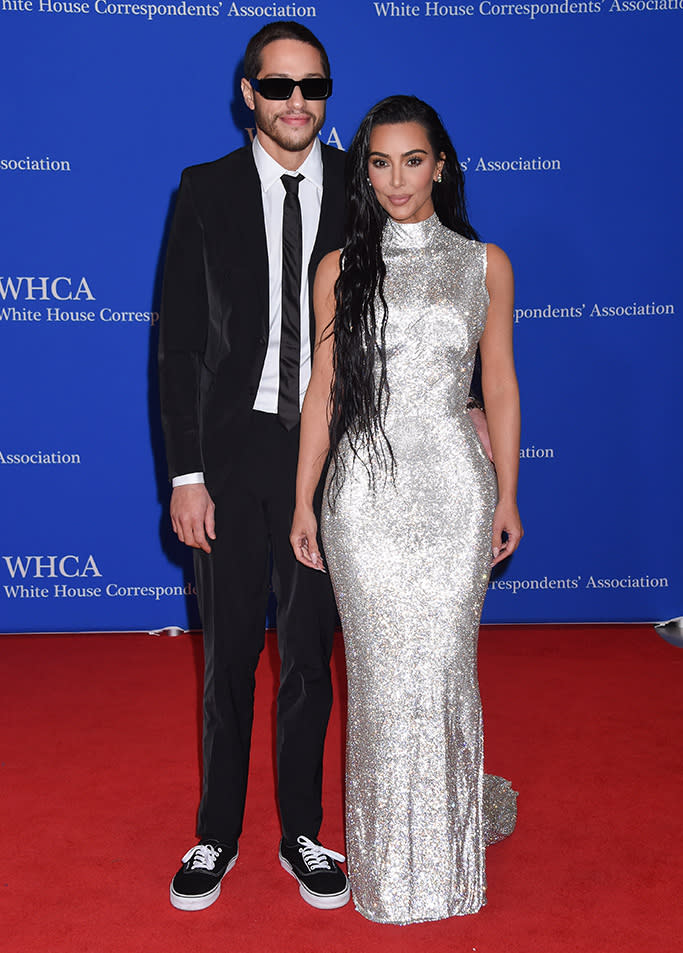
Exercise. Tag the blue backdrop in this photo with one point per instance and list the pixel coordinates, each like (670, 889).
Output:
(566, 117)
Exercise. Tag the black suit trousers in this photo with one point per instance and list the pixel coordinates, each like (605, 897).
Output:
(253, 518)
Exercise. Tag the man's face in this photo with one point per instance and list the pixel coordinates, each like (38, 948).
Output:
(287, 128)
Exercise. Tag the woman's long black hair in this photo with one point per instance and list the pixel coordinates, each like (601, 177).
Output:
(360, 392)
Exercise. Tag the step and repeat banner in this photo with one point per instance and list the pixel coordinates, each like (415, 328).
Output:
(566, 118)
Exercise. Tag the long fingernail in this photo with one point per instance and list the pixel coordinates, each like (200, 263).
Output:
(495, 552)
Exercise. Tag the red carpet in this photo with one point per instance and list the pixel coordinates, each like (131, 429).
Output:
(100, 781)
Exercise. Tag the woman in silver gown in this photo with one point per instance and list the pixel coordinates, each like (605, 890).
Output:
(414, 514)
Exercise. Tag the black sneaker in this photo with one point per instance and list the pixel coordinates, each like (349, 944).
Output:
(198, 882)
(321, 882)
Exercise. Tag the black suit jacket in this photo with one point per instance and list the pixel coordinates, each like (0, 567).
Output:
(214, 310)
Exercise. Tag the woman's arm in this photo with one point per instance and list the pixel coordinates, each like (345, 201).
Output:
(314, 440)
(501, 398)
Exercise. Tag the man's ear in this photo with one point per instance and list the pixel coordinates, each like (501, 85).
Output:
(247, 93)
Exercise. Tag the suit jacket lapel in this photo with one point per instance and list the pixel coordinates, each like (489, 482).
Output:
(244, 209)
(326, 209)
(330, 227)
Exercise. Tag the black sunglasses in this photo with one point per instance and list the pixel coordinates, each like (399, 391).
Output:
(277, 87)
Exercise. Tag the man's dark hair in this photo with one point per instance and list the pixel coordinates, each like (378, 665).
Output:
(280, 30)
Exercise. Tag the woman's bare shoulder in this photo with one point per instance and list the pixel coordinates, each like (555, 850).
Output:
(497, 262)
(328, 269)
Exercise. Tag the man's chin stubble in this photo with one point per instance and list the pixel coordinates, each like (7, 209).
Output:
(291, 140)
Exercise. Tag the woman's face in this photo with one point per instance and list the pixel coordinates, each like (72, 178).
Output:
(402, 168)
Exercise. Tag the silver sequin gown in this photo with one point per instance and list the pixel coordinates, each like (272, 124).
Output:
(409, 562)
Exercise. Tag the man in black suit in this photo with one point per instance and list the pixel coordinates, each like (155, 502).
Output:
(237, 333)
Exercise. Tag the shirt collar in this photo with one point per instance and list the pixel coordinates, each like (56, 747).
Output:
(270, 171)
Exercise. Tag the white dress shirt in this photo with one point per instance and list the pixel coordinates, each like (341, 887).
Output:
(273, 197)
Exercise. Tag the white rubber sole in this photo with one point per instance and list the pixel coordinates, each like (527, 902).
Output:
(203, 900)
(319, 901)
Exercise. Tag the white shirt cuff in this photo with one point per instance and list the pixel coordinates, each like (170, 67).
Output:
(187, 478)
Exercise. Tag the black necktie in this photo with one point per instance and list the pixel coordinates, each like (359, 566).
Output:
(290, 334)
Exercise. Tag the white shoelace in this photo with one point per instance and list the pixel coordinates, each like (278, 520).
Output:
(205, 857)
(315, 856)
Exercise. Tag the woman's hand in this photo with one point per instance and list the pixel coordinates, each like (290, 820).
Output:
(304, 538)
(505, 520)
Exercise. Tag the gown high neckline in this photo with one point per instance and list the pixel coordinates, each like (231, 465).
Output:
(411, 234)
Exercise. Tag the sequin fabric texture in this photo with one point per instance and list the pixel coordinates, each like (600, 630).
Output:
(409, 562)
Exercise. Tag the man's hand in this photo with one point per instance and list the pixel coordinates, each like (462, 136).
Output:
(478, 418)
(192, 515)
